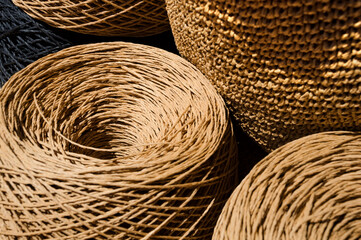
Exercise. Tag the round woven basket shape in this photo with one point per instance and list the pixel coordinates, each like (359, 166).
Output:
(306, 189)
(136, 18)
(113, 141)
(23, 40)
(285, 68)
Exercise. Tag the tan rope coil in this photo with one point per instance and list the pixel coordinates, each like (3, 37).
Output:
(136, 18)
(285, 68)
(306, 189)
(113, 141)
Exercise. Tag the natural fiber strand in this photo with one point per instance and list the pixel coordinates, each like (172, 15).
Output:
(306, 189)
(113, 141)
(286, 68)
(23, 40)
(137, 18)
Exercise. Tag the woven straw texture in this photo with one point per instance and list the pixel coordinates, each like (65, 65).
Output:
(285, 68)
(306, 189)
(113, 141)
(23, 40)
(136, 18)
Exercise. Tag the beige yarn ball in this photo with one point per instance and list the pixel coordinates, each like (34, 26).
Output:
(306, 189)
(286, 68)
(137, 18)
(113, 141)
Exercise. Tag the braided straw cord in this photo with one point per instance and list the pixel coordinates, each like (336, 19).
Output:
(285, 68)
(113, 141)
(135, 18)
(23, 40)
(306, 189)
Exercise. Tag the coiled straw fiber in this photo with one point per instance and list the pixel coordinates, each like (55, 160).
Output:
(137, 18)
(306, 189)
(23, 40)
(113, 141)
(286, 68)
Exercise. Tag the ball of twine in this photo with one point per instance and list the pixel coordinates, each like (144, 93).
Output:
(285, 68)
(23, 40)
(307, 189)
(113, 141)
(138, 18)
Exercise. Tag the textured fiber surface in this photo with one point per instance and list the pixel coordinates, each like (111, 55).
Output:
(286, 68)
(136, 18)
(306, 189)
(113, 141)
(23, 40)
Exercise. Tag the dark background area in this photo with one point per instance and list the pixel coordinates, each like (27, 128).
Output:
(164, 40)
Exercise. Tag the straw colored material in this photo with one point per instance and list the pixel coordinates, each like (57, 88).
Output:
(137, 18)
(113, 141)
(23, 40)
(285, 68)
(306, 189)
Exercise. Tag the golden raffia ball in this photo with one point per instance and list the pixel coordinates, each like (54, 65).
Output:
(306, 189)
(285, 68)
(113, 141)
(138, 18)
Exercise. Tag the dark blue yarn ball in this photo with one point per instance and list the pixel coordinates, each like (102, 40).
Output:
(23, 40)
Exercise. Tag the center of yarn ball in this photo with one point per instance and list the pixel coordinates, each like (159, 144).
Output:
(106, 109)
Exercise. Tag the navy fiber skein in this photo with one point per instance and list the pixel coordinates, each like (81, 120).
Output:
(23, 40)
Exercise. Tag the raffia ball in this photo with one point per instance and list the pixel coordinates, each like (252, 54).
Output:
(285, 68)
(23, 40)
(137, 18)
(306, 189)
(113, 141)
